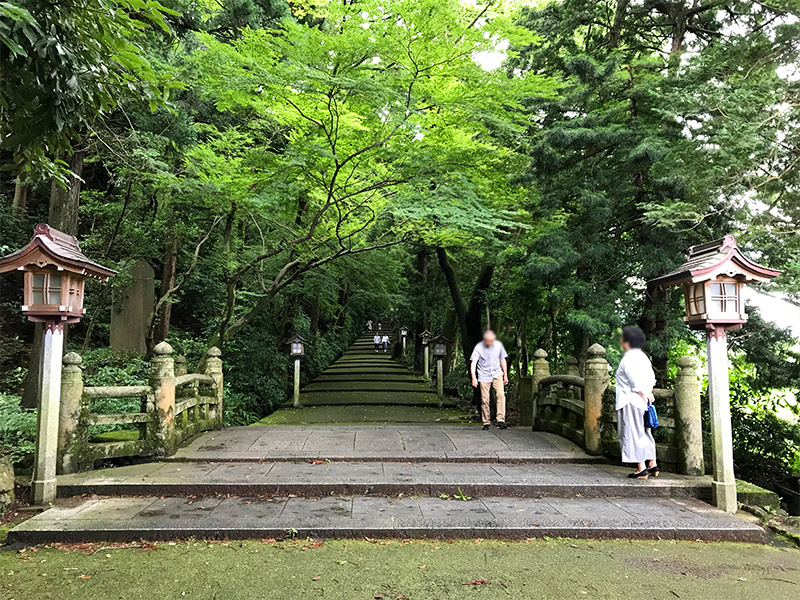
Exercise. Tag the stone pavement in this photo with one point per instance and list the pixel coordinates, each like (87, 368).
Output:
(153, 518)
(380, 443)
(319, 478)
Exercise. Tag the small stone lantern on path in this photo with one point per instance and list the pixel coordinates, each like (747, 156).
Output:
(297, 351)
(426, 358)
(439, 352)
(713, 278)
(54, 273)
(403, 336)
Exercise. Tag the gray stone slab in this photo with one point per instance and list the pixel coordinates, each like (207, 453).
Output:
(380, 438)
(331, 441)
(167, 518)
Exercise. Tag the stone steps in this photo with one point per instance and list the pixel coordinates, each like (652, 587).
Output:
(355, 398)
(153, 518)
(377, 385)
(319, 478)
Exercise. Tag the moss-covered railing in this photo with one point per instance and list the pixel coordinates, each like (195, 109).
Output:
(174, 406)
(583, 409)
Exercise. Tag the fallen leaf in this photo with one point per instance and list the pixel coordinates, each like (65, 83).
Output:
(268, 541)
(422, 566)
(399, 596)
(317, 462)
(476, 582)
(378, 596)
(84, 576)
(317, 578)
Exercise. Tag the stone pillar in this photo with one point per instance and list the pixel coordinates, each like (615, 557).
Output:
(723, 484)
(440, 380)
(540, 370)
(595, 384)
(296, 388)
(43, 486)
(70, 432)
(130, 314)
(688, 419)
(214, 370)
(426, 361)
(162, 380)
(572, 367)
(6, 483)
(180, 365)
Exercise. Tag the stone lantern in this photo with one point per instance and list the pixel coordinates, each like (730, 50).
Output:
(54, 271)
(439, 344)
(403, 336)
(426, 336)
(712, 279)
(297, 350)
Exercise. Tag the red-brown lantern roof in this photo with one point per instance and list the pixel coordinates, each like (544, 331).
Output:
(52, 247)
(720, 257)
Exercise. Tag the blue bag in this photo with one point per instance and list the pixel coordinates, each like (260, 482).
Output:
(651, 416)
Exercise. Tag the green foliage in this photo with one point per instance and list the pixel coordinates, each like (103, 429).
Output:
(63, 64)
(17, 430)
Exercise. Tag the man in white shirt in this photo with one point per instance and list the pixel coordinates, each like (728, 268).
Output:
(489, 370)
(385, 343)
(377, 341)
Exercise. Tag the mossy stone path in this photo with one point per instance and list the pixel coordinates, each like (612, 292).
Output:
(363, 377)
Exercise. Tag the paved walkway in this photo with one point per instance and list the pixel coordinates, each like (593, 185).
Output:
(319, 478)
(370, 443)
(153, 518)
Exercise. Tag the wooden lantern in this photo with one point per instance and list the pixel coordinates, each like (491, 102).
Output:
(297, 346)
(426, 337)
(55, 270)
(439, 346)
(713, 278)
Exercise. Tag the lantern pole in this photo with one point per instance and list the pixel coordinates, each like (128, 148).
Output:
(296, 397)
(43, 486)
(439, 380)
(426, 359)
(723, 484)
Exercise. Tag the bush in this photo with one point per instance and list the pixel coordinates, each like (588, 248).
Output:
(17, 430)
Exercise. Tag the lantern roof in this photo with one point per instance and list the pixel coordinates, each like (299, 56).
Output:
(709, 260)
(296, 338)
(440, 339)
(49, 246)
(425, 333)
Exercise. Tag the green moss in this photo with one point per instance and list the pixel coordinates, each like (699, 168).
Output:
(753, 495)
(348, 569)
(366, 415)
(120, 435)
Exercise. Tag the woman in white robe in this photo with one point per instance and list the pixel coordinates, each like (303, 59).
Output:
(635, 383)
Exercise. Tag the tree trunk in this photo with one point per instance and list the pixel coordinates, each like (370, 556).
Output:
(168, 273)
(20, 198)
(654, 324)
(615, 33)
(314, 312)
(64, 202)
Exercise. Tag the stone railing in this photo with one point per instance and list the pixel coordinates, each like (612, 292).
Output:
(583, 409)
(173, 407)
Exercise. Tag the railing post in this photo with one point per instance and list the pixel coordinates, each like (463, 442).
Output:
(180, 365)
(162, 380)
(69, 430)
(572, 367)
(541, 369)
(214, 370)
(688, 419)
(595, 384)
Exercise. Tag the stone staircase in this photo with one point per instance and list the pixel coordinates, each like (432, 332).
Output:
(402, 480)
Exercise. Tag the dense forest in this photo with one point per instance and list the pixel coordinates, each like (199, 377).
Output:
(303, 166)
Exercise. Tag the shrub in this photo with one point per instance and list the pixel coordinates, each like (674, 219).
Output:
(17, 430)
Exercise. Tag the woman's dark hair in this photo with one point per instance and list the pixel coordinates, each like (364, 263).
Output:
(634, 336)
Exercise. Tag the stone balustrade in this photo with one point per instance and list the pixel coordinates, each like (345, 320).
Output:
(583, 409)
(174, 406)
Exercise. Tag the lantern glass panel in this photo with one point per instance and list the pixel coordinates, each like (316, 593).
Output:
(696, 299)
(54, 290)
(38, 288)
(297, 348)
(439, 349)
(724, 298)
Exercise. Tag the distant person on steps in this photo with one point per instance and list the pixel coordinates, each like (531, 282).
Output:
(377, 341)
(385, 343)
(489, 370)
(369, 325)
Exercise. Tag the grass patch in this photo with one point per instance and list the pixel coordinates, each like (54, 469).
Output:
(410, 569)
(120, 435)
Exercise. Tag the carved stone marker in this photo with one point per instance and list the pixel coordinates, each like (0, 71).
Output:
(130, 313)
